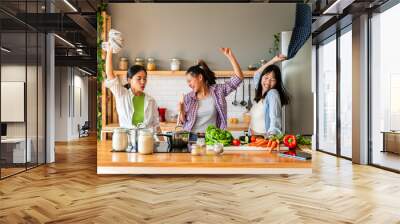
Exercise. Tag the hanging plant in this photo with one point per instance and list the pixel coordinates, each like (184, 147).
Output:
(100, 65)
(275, 48)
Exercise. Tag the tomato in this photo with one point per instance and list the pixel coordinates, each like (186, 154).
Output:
(253, 139)
(236, 142)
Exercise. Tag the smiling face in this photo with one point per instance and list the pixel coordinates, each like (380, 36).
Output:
(195, 82)
(268, 81)
(138, 81)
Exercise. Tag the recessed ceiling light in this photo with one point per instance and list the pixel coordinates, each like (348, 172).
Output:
(84, 71)
(70, 5)
(5, 50)
(64, 40)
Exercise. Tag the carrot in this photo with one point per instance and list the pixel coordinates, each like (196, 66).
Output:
(273, 145)
(269, 143)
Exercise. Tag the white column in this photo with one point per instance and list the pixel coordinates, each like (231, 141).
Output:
(50, 94)
(360, 90)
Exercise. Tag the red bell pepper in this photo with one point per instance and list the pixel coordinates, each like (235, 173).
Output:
(290, 141)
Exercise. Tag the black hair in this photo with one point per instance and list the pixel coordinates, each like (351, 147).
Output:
(202, 69)
(132, 71)
(283, 94)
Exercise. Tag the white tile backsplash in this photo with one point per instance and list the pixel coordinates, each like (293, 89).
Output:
(166, 91)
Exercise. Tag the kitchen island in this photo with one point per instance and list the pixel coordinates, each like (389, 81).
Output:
(230, 162)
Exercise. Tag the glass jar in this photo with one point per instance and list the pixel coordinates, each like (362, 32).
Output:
(145, 141)
(175, 64)
(151, 65)
(120, 139)
(139, 61)
(123, 64)
(196, 150)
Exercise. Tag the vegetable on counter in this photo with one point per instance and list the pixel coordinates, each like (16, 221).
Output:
(302, 140)
(236, 142)
(244, 139)
(215, 135)
(290, 141)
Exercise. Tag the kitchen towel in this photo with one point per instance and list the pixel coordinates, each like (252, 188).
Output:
(302, 29)
(115, 39)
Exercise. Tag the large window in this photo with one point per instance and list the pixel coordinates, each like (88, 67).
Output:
(334, 106)
(385, 88)
(346, 93)
(327, 96)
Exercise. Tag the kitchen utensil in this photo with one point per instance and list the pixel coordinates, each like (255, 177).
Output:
(235, 102)
(177, 139)
(243, 102)
(120, 139)
(249, 103)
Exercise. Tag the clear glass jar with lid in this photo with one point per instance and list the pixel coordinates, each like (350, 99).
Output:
(139, 61)
(120, 139)
(145, 141)
(151, 64)
(175, 64)
(123, 64)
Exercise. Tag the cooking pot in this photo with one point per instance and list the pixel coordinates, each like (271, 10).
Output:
(177, 139)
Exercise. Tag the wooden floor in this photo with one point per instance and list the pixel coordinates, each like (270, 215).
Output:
(71, 192)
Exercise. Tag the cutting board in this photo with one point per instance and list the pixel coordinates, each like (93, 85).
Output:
(252, 148)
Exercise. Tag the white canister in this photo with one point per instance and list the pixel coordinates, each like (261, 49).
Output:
(175, 64)
(120, 139)
(145, 141)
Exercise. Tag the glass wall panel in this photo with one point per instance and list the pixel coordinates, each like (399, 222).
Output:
(327, 96)
(346, 94)
(385, 89)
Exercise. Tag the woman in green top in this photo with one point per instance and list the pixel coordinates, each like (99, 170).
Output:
(133, 105)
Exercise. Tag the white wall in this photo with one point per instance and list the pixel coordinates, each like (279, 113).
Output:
(67, 113)
(193, 31)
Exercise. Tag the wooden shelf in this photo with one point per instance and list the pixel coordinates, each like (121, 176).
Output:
(246, 74)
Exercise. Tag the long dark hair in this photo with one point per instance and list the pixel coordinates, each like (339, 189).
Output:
(202, 69)
(132, 71)
(283, 94)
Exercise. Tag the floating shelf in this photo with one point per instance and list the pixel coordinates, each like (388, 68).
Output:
(222, 74)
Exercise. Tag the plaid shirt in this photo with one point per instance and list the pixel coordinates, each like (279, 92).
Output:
(219, 92)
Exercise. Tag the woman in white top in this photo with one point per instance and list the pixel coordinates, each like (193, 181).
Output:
(134, 106)
(271, 95)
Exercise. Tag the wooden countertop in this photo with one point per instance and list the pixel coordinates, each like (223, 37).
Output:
(230, 162)
(170, 126)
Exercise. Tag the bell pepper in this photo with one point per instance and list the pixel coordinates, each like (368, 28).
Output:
(290, 141)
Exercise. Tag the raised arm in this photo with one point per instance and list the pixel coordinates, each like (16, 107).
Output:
(232, 59)
(109, 66)
(276, 59)
(257, 74)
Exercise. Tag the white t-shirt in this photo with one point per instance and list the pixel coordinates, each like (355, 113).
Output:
(206, 115)
(123, 101)
(257, 113)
